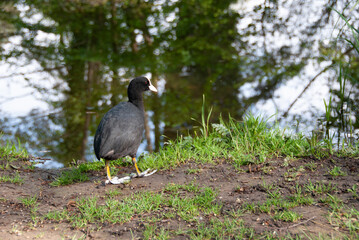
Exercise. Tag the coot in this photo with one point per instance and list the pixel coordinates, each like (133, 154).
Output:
(120, 131)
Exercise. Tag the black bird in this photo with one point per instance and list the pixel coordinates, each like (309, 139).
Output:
(120, 131)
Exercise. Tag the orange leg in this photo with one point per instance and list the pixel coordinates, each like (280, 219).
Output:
(135, 163)
(108, 170)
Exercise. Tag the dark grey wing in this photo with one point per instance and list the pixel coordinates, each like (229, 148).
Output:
(120, 132)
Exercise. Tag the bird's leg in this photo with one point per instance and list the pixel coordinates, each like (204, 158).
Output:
(135, 163)
(114, 180)
(108, 170)
(144, 173)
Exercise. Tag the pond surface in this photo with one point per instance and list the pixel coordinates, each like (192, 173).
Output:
(64, 65)
(169, 114)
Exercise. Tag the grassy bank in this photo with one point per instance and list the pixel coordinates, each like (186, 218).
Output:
(251, 141)
(229, 180)
(10, 154)
(240, 143)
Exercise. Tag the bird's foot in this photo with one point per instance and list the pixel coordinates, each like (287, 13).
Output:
(143, 174)
(116, 180)
(127, 179)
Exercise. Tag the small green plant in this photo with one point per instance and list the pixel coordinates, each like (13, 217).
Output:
(113, 192)
(354, 191)
(29, 202)
(12, 179)
(150, 231)
(274, 194)
(342, 105)
(347, 218)
(205, 121)
(226, 229)
(191, 187)
(11, 151)
(58, 215)
(320, 187)
(193, 171)
(300, 198)
(287, 216)
(335, 203)
(293, 174)
(163, 234)
(329, 121)
(312, 166)
(336, 172)
(69, 177)
(267, 187)
(15, 229)
(316, 147)
(31, 165)
(32, 204)
(39, 235)
(94, 166)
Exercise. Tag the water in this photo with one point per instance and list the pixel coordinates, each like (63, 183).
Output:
(42, 133)
(242, 58)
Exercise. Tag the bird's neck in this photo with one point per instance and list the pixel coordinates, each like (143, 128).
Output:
(138, 103)
(136, 99)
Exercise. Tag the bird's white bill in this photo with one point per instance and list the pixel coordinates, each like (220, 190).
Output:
(152, 88)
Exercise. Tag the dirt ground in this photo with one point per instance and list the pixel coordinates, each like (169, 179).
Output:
(234, 190)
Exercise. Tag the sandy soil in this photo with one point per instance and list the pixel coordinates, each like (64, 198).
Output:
(234, 189)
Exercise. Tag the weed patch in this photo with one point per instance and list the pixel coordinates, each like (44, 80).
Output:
(12, 179)
(71, 176)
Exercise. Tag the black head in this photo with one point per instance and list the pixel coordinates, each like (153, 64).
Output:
(137, 86)
(141, 84)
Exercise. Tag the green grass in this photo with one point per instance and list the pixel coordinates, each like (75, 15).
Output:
(69, 177)
(336, 172)
(222, 229)
(301, 198)
(154, 232)
(113, 193)
(346, 218)
(31, 204)
(191, 187)
(79, 173)
(354, 191)
(283, 208)
(29, 201)
(320, 187)
(193, 171)
(12, 179)
(287, 216)
(251, 141)
(293, 173)
(188, 208)
(10, 152)
(198, 208)
(275, 203)
(341, 215)
(187, 203)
